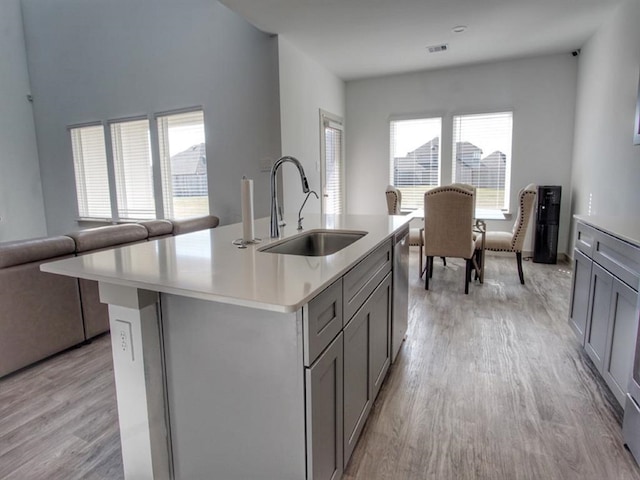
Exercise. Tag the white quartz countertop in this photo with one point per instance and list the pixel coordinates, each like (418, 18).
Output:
(206, 265)
(625, 228)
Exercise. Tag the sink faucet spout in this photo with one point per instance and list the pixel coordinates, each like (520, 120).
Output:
(275, 227)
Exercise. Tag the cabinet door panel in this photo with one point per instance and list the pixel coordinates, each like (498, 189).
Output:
(357, 391)
(324, 383)
(597, 328)
(380, 344)
(367, 356)
(580, 294)
(623, 324)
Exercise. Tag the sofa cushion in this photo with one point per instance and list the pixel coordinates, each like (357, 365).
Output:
(188, 225)
(157, 228)
(33, 250)
(109, 236)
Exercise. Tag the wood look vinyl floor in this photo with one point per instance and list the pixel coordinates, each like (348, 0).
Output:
(490, 385)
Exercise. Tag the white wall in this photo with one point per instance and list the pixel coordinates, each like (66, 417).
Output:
(606, 164)
(305, 88)
(540, 91)
(21, 205)
(108, 59)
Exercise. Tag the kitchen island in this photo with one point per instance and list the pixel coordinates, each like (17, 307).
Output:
(242, 364)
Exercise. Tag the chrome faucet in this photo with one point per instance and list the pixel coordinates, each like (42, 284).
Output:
(275, 227)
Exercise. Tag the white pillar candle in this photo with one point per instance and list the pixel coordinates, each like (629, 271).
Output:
(247, 210)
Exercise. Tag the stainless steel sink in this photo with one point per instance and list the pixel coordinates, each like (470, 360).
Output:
(315, 243)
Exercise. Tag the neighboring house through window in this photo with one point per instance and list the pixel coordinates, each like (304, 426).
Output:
(482, 157)
(415, 158)
(117, 172)
(183, 160)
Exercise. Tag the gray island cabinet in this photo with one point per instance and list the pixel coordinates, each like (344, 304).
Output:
(604, 298)
(242, 364)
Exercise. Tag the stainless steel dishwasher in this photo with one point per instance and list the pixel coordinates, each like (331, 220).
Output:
(400, 317)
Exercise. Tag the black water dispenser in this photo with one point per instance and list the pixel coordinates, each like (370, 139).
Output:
(545, 247)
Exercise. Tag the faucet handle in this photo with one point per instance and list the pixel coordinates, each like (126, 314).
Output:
(300, 218)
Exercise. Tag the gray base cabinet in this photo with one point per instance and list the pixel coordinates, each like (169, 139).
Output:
(343, 382)
(604, 300)
(367, 356)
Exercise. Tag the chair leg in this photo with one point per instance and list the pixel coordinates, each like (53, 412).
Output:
(467, 276)
(444, 261)
(519, 260)
(427, 273)
(421, 259)
(478, 265)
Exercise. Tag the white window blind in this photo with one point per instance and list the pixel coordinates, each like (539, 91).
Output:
(482, 156)
(133, 169)
(333, 177)
(415, 158)
(183, 161)
(90, 165)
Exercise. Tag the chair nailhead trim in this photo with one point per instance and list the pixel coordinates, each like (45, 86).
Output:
(519, 228)
(459, 190)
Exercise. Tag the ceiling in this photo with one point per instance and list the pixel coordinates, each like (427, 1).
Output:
(366, 38)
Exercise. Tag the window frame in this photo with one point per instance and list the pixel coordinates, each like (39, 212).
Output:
(331, 120)
(116, 207)
(110, 176)
(419, 116)
(156, 150)
(158, 193)
(488, 213)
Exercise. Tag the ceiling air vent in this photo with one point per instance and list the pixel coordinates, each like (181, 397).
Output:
(438, 48)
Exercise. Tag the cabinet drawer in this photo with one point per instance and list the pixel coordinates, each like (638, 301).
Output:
(322, 321)
(620, 258)
(585, 239)
(363, 279)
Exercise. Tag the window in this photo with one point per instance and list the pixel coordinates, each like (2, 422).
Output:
(90, 165)
(415, 158)
(121, 175)
(183, 160)
(482, 156)
(332, 164)
(131, 149)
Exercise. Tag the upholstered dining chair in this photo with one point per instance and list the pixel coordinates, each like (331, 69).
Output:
(448, 216)
(514, 240)
(416, 235)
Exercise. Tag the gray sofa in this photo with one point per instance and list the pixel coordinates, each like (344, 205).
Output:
(42, 314)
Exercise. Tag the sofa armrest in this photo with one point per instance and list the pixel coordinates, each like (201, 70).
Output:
(34, 250)
(194, 224)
